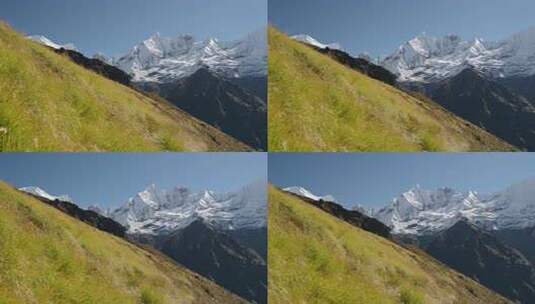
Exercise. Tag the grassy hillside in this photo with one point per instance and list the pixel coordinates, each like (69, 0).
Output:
(48, 257)
(48, 103)
(314, 257)
(317, 104)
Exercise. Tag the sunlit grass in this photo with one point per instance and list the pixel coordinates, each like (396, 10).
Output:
(48, 103)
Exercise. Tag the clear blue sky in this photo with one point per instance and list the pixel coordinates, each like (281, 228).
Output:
(373, 179)
(114, 26)
(109, 179)
(380, 26)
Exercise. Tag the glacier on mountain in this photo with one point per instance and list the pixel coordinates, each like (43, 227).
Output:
(429, 59)
(420, 211)
(162, 59)
(154, 211)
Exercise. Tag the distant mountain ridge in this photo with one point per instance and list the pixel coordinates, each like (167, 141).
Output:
(161, 59)
(420, 211)
(429, 59)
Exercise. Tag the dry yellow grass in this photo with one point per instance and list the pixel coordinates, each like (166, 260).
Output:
(49, 103)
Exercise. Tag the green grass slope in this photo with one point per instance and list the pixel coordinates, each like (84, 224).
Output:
(48, 257)
(317, 104)
(314, 257)
(49, 103)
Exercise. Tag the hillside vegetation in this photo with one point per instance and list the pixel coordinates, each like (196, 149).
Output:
(47, 256)
(49, 103)
(314, 257)
(317, 104)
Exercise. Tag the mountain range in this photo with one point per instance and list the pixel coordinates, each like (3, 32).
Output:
(486, 83)
(221, 236)
(428, 59)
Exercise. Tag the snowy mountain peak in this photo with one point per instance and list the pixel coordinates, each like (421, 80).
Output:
(42, 193)
(162, 59)
(45, 41)
(419, 211)
(306, 193)
(154, 211)
(309, 40)
(430, 59)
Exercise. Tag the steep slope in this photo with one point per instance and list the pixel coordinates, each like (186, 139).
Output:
(219, 102)
(521, 239)
(72, 262)
(525, 86)
(484, 258)
(360, 64)
(219, 257)
(314, 257)
(49, 103)
(490, 105)
(317, 104)
(87, 216)
(97, 65)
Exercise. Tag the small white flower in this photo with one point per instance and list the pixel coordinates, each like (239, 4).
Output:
(3, 130)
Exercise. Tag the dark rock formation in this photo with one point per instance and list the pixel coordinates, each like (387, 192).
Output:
(360, 64)
(89, 217)
(352, 217)
(484, 258)
(97, 66)
(220, 103)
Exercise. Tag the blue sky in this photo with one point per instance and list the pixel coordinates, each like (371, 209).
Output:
(378, 27)
(109, 179)
(114, 26)
(373, 179)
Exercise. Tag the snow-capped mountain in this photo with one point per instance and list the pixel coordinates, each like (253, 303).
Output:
(420, 211)
(42, 193)
(429, 59)
(309, 40)
(45, 41)
(154, 211)
(162, 59)
(306, 193)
